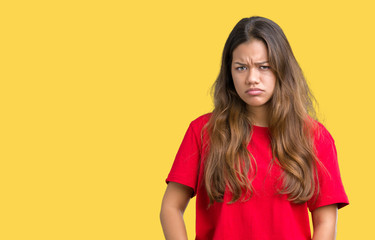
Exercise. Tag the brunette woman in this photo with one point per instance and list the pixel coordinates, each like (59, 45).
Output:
(260, 161)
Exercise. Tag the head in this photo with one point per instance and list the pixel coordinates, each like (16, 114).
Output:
(253, 78)
(290, 86)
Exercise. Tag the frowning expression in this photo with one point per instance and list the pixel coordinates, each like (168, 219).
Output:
(253, 78)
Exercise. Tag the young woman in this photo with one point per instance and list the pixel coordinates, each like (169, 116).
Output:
(260, 160)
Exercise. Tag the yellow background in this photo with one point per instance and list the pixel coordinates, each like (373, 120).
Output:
(97, 95)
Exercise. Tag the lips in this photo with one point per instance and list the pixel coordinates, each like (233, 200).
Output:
(254, 91)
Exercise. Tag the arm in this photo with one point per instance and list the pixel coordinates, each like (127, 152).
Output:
(175, 201)
(324, 222)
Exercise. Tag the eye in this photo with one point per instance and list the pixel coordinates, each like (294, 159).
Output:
(264, 67)
(241, 68)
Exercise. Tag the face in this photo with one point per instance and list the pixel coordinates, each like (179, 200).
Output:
(252, 76)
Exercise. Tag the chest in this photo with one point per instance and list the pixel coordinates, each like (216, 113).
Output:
(267, 180)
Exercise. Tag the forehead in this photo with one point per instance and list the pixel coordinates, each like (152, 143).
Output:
(253, 50)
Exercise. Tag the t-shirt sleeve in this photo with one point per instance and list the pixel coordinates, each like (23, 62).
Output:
(185, 168)
(331, 187)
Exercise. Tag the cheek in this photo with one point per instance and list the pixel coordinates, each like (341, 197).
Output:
(238, 87)
(235, 82)
(271, 82)
(272, 93)
(273, 86)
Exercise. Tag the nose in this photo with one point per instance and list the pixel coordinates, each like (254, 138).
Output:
(253, 76)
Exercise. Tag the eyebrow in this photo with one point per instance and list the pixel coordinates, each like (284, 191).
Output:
(257, 63)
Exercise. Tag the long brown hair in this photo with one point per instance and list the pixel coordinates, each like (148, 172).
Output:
(229, 164)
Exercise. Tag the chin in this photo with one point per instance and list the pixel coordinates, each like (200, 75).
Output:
(256, 105)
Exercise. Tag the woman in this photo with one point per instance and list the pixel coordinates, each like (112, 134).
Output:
(260, 160)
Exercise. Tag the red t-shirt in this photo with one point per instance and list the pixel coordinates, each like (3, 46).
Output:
(267, 215)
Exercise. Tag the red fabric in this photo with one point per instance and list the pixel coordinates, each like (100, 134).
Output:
(267, 215)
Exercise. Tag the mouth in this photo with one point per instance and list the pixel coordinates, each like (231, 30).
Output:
(254, 91)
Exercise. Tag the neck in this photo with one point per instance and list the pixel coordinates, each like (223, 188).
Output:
(258, 116)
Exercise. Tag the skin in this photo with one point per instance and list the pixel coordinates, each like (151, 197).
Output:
(325, 222)
(250, 69)
(175, 201)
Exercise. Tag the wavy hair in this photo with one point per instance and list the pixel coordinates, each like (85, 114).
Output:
(291, 115)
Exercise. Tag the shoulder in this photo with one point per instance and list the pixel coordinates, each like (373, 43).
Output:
(324, 144)
(321, 134)
(200, 121)
(197, 128)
